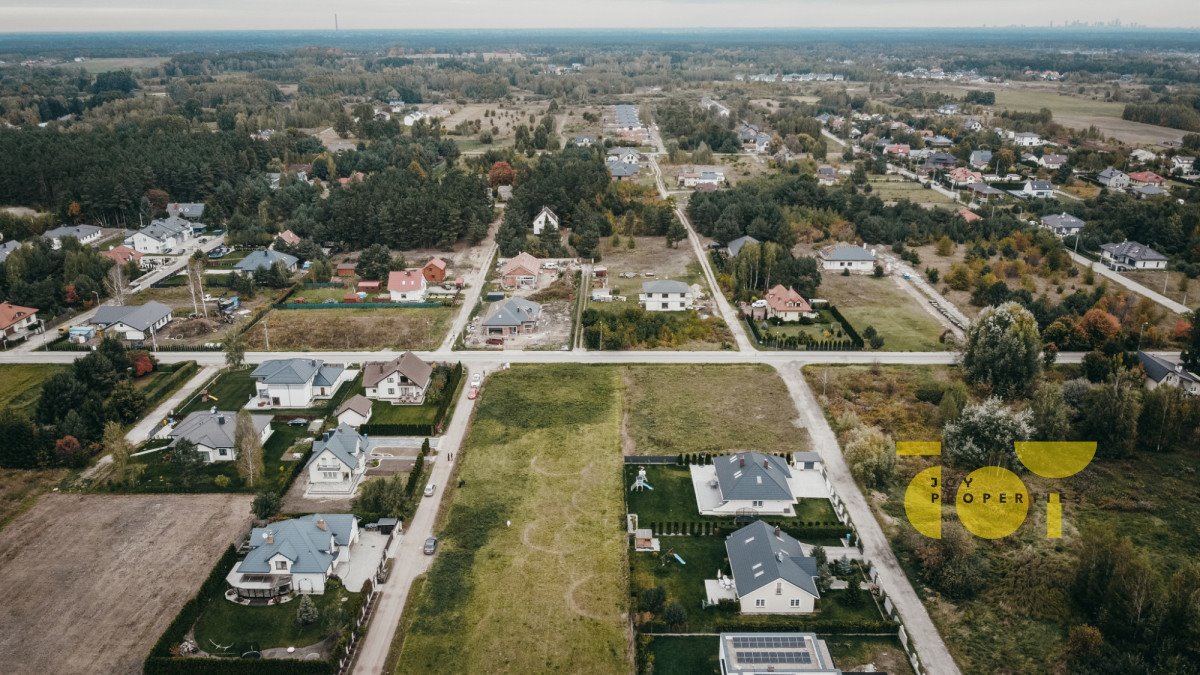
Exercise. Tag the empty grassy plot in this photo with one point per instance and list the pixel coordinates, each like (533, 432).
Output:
(21, 385)
(20, 489)
(531, 572)
(869, 301)
(713, 409)
(336, 329)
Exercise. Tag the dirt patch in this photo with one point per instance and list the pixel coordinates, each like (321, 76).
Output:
(192, 328)
(93, 580)
(336, 329)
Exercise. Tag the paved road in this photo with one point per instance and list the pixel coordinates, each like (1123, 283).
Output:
(1130, 284)
(409, 560)
(921, 631)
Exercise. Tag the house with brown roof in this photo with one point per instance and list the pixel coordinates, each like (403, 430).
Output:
(522, 271)
(403, 380)
(406, 286)
(290, 238)
(969, 215)
(123, 254)
(355, 412)
(787, 305)
(434, 270)
(1146, 178)
(17, 322)
(345, 269)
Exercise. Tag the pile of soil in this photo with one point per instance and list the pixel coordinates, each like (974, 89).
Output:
(190, 328)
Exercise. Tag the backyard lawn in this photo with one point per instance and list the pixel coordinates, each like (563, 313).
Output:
(673, 499)
(531, 572)
(245, 628)
(903, 323)
(163, 476)
(685, 654)
(421, 328)
(21, 385)
(232, 389)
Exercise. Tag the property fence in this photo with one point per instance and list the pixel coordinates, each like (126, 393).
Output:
(855, 342)
(359, 305)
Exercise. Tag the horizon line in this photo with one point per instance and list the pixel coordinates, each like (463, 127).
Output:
(569, 29)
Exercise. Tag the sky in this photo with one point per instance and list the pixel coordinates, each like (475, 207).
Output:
(125, 15)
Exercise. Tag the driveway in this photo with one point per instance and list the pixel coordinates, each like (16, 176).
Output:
(1130, 284)
(364, 560)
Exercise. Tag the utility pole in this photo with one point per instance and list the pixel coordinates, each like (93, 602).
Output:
(266, 334)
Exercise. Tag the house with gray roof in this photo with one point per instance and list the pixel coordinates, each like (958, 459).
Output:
(735, 247)
(86, 234)
(666, 295)
(134, 323)
(161, 236)
(514, 316)
(296, 383)
(620, 171)
(744, 483)
(1113, 179)
(265, 259)
(980, 159)
(190, 211)
(7, 248)
(294, 556)
(1063, 224)
(771, 573)
(1160, 371)
(214, 435)
(403, 380)
(843, 256)
(338, 462)
(1130, 255)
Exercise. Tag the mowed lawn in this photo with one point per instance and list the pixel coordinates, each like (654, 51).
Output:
(548, 593)
(868, 301)
(21, 385)
(340, 329)
(713, 409)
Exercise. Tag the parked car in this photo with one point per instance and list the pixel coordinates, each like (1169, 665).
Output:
(495, 341)
(429, 489)
(476, 380)
(473, 394)
(297, 422)
(430, 546)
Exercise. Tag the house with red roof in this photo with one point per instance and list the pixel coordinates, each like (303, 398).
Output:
(1146, 178)
(406, 286)
(290, 238)
(969, 215)
(786, 304)
(522, 271)
(434, 271)
(17, 322)
(123, 254)
(962, 177)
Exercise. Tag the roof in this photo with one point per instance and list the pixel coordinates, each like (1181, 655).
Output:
(759, 557)
(1146, 177)
(753, 476)
(10, 314)
(120, 254)
(843, 252)
(7, 248)
(514, 312)
(969, 215)
(161, 230)
(187, 210)
(137, 317)
(436, 263)
(1157, 368)
(521, 261)
(985, 189)
(1111, 173)
(357, 403)
(403, 281)
(1132, 250)
(1061, 221)
(265, 259)
(735, 246)
(782, 653)
(1149, 190)
(623, 170)
(328, 375)
(344, 443)
(214, 430)
(287, 371)
(301, 541)
(548, 212)
(807, 457)
(782, 299)
(290, 237)
(665, 286)
(1054, 159)
(1040, 185)
(407, 364)
(78, 231)
(984, 156)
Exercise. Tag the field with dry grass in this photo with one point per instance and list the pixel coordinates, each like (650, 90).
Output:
(20, 489)
(351, 329)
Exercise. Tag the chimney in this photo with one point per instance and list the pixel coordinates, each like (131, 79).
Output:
(320, 523)
(220, 419)
(766, 464)
(270, 537)
(741, 460)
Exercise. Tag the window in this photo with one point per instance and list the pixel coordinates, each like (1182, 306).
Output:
(795, 602)
(224, 452)
(391, 391)
(757, 503)
(331, 475)
(778, 588)
(760, 603)
(281, 564)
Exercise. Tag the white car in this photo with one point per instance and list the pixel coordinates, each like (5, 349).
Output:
(429, 489)
(476, 380)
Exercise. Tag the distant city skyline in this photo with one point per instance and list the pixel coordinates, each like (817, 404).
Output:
(134, 15)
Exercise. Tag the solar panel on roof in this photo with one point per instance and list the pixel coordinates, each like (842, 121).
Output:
(754, 658)
(768, 641)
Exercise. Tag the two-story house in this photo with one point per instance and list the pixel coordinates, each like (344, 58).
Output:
(665, 295)
(787, 305)
(407, 286)
(1160, 372)
(338, 461)
(161, 236)
(17, 322)
(403, 380)
(771, 573)
(296, 383)
(546, 218)
(294, 556)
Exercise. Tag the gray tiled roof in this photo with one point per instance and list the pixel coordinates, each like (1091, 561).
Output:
(1158, 368)
(1133, 251)
(265, 258)
(345, 444)
(744, 477)
(137, 317)
(187, 210)
(289, 371)
(623, 170)
(7, 248)
(1063, 220)
(77, 231)
(665, 286)
(847, 253)
(300, 541)
(735, 246)
(514, 312)
(161, 230)
(758, 557)
(214, 430)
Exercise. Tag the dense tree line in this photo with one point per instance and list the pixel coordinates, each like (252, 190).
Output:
(636, 328)
(52, 280)
(1174, 115)
(572, 183)
(759, 267)
(693, 126)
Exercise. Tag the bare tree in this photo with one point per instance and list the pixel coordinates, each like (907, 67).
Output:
(115, 284)
(196, 272)
(249, 449)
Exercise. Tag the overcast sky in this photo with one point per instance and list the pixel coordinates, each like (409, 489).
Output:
(106, 15)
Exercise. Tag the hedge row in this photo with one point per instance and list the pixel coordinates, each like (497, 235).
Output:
(853, 344)
(180, 375)
(358, 305)
(855, 338)
(828, 529)
(788, 624)
(396, 429)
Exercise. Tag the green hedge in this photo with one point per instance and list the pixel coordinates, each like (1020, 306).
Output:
(396, 429)
(180, 375)
(788, 624)
(854, 336)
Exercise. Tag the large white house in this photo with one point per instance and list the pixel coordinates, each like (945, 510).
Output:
(294, 556)
(407, 286)
(134, 323)
(771, 573)
(1130, 255)
(86, 234)
(1063, 224)
(842, 256)
(1160, 372)
(404, 379)
(338, 461)
(745, 483)
(666, 295)
(296, 383)
(161, 236)
(214, 435)
(545, 219)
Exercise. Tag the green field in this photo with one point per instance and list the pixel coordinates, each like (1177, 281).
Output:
(351, 329)
(21, 385)
(869, 301)
(685, 654)
(546, 593)
(895, 190)
(232, 390)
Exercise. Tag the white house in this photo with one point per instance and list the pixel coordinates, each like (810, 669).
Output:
(1038, 189)
(296, 383)
(624, 156)
(545, 218)
(404, 379)
(188, 210)
(213, 432)
(745, 483)
(1130, 255)
(1183, 164)
(86, 234)
(407, 286)
(1026, 140)
(1160, 372)
(787, 305)
(414, 117)
(294, 556)
(355, 411)
(777, 653)
(161, 236)
(771, 573)
(133, 322)
(841, 256)
(17, 322)
(665, 295)
(1063, 224)
(338, 461)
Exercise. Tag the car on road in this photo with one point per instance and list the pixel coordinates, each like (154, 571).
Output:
(430, 489)
(473, 394)
(430, 546)
(476, 380)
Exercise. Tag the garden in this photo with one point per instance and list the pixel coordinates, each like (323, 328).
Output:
(167, 471)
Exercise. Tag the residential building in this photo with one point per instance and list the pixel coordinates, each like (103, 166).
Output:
(354, 411)
(841, 256)
(189, 211)
(265, 259)
(1160, 372)
(962, 177)
(290, 238)
(345, 269)
(338, 461)
(17, 322)
(665, 295)
(121, 255)
(161, 236)
(826, 175)
(85, 234)
(940, 161)
(787, 305)
(1142, 155)
(403, 380)
(693, 179)
(434, 271)
(948, 109)
(1053, 162)
(623, 156)
(522, 271)
(1148, 191)
(1146, 178)
(620, 171)
(775, 653)
(771, 573)
(414, 117)
(982, 192)
(708, 103)
(1183, 164)
(898, 149)
(939, 141)
(980, 159)
(134, 323)
(735, 247)
(1063, 224)
(583, 141)
(1038, 189)
(1130, 255)
(515, 316)
(969, 215)
(7, 248)
(973, 124)
(214, 433)
(1113, 179)
(294, 556)
(407, 286)
(545, 218)
(296, 383)
(744, 483)
(1026, 140)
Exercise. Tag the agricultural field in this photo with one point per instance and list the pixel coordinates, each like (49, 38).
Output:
(21, 385)
(20, 490)
(100, 65)
(78, 608)
(900, 319)
(539, 499)
(351, 329)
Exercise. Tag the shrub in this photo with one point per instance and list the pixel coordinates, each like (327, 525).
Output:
(983, 434)
(306, 612)
(871, 456)
(266, 504)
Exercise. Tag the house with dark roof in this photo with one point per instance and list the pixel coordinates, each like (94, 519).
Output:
(665, 295)
(1063, 224)
(296, 383)
(1113, 179)
(744, 483)
(191, 211)
(214, 434)
(86, 234)
(735, 247)
(265, 259)
(842, 256)
(161, 236)
(1037, 189)
(7, 248)
(294, 556)
(514, 316)
(133, 322)
(1130, 255)
(771, 572)
(1148, 191)
(1162, 372)
(620, 171)
(403, 380)
(776, 653)
(338, 462)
